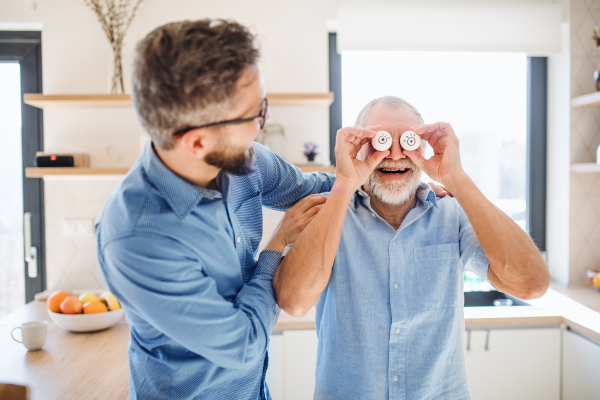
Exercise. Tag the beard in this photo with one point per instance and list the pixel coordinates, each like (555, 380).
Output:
(232, 160)
(395, 192)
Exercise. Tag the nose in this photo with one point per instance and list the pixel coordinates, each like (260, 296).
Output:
(396, 152)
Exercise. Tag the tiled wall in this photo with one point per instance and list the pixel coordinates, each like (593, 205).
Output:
(71, 261)
(584, 232)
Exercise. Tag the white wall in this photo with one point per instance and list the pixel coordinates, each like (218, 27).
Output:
(76, 58)
(584, 215)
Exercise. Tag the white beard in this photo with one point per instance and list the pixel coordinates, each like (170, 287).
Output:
(394, 193)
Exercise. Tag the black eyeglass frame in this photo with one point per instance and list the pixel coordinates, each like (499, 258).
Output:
(262, 116)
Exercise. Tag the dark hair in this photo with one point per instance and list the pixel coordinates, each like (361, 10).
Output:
(184, 73)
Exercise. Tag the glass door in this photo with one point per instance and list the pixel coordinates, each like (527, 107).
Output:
(22, 252)
(12, 283)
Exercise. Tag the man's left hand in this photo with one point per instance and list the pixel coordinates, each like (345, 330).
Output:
(444, 166)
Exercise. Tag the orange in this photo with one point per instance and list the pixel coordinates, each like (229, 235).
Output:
(70, 305)
(55, 299)
(94, 307)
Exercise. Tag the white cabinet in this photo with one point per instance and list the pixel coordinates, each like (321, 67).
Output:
(292, 364)
(514, 363)
(581, 368)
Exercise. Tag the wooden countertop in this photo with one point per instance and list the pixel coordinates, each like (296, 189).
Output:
(94, 365)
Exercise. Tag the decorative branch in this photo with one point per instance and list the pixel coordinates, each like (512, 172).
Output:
(115, 18)
(596, 36)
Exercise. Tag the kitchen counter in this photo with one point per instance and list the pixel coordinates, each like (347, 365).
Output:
(94, 365)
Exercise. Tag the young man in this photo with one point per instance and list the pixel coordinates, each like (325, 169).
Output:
(390, 298)
(177, 241)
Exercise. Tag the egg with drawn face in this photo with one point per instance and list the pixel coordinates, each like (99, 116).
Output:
(382, 141)
(410, 141)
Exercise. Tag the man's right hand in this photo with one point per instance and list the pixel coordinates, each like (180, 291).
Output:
(351, 172)
(294, 221)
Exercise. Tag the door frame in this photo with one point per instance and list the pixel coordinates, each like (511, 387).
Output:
(25, 47)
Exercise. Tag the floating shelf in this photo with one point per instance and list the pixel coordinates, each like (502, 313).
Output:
(585, 168)
(103, 173)
(124, 100)
(587, 100)
(73, 171)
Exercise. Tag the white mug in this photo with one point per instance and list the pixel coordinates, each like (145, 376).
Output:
(33, 334)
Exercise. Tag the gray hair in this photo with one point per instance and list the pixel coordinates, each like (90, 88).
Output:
(361, 119)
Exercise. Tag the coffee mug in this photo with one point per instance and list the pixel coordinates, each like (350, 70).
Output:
(33, 334)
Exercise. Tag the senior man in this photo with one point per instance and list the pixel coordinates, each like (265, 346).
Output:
(386, 264)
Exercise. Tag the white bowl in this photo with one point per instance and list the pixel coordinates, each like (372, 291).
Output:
(87, 322)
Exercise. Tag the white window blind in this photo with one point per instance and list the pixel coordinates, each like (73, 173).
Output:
(530, 26)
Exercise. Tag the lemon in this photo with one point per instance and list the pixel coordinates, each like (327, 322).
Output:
(596, 281)
(87, 296)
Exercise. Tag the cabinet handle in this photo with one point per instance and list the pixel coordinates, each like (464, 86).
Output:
(487, 340)
(468, 340)
(30, 251)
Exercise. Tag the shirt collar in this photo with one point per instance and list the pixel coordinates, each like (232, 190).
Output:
(181, 195)
(424, 194)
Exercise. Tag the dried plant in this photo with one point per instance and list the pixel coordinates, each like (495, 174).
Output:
(115, 16)
(596, 36)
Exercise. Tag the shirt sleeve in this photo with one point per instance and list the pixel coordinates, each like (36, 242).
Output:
(155, 278)
(284, 184)
(472, 255)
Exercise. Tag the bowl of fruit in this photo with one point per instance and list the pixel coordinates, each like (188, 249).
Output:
(86, 313)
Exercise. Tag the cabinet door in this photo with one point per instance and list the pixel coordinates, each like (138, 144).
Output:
(515, 364)
(581, 368)
(275, 372)
(300, 364)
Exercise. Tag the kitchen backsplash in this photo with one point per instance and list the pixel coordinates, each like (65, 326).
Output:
(584, 232)
(72, 207)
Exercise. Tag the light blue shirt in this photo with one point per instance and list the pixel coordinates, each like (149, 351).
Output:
(181, 260)
(390, 322)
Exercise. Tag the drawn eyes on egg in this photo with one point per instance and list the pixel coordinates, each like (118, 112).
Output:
(408, 140)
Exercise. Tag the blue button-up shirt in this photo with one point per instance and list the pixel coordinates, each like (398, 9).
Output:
(181, 260)
(390, 322)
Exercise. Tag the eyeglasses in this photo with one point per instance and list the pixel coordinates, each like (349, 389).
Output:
(261, 117)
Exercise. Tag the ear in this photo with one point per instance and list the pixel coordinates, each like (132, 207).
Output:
(198, 143)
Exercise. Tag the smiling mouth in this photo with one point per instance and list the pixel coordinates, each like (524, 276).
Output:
(394, 170)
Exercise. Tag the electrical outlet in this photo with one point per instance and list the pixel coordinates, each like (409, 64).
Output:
(77, 227)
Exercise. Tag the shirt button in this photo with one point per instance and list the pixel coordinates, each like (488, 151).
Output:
(394, 244)
(239, 239)
(397, 330)
(372, 214)
(396, 286)
(395, 378)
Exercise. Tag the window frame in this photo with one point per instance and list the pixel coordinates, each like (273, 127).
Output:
(536, 175)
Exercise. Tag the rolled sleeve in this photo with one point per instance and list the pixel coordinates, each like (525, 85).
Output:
(472, 256)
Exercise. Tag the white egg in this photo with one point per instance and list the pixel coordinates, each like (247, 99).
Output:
(410, 140)
(382, 141)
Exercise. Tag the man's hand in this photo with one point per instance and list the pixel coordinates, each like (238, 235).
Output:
(439, 190)
(350, 171)
(294, 221)
(444, 166)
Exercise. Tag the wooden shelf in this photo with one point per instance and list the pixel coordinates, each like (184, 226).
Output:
(73, 172)
(76, 100)
(586, 168)
(587, 100)
(124, 100)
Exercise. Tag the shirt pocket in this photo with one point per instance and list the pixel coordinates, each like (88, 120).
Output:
(438, 274)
